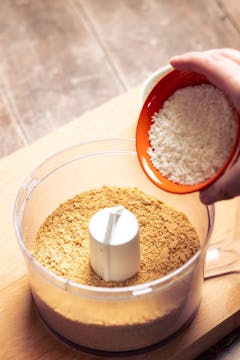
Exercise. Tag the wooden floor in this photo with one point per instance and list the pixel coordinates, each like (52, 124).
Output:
(60, 58)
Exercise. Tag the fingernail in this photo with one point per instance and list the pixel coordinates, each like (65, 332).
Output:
(175, 58)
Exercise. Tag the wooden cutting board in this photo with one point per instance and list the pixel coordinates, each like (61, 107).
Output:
(22, 335)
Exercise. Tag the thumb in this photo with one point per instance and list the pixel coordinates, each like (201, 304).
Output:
(227, 187)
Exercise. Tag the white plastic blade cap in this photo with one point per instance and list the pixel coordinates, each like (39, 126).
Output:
(114, 243)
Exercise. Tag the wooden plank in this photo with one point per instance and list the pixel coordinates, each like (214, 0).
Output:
(11, 134)
(60, 58)
(22, 335)
(52, 67)
(232, 10)
(140, 36)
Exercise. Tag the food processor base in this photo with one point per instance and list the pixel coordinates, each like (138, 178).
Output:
(115, 353)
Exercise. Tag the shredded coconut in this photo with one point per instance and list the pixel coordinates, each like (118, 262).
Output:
(192, 134)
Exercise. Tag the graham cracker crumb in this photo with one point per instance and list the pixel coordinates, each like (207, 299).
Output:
(167, 238)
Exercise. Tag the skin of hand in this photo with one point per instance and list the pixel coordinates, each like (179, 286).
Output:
(222, 68)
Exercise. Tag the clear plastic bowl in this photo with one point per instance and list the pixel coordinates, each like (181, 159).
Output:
(107, 319)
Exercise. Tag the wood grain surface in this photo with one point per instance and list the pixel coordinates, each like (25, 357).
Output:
(23, 337)
(60, 58)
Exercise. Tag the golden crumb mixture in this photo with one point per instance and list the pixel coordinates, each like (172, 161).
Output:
(167, 238)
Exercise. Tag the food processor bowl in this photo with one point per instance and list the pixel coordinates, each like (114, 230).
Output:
(107, 319)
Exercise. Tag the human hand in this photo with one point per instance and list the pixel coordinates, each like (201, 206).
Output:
(222, 68)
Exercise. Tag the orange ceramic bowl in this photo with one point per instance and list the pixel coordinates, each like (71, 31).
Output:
(164, 88)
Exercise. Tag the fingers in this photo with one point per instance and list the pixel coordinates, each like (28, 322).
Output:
(213, 63)
(191, 61)
(231, 54)
(221, 70)
(227, 187)
(187, 60)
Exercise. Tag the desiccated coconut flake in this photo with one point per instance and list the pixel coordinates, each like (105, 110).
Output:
(193, 134)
